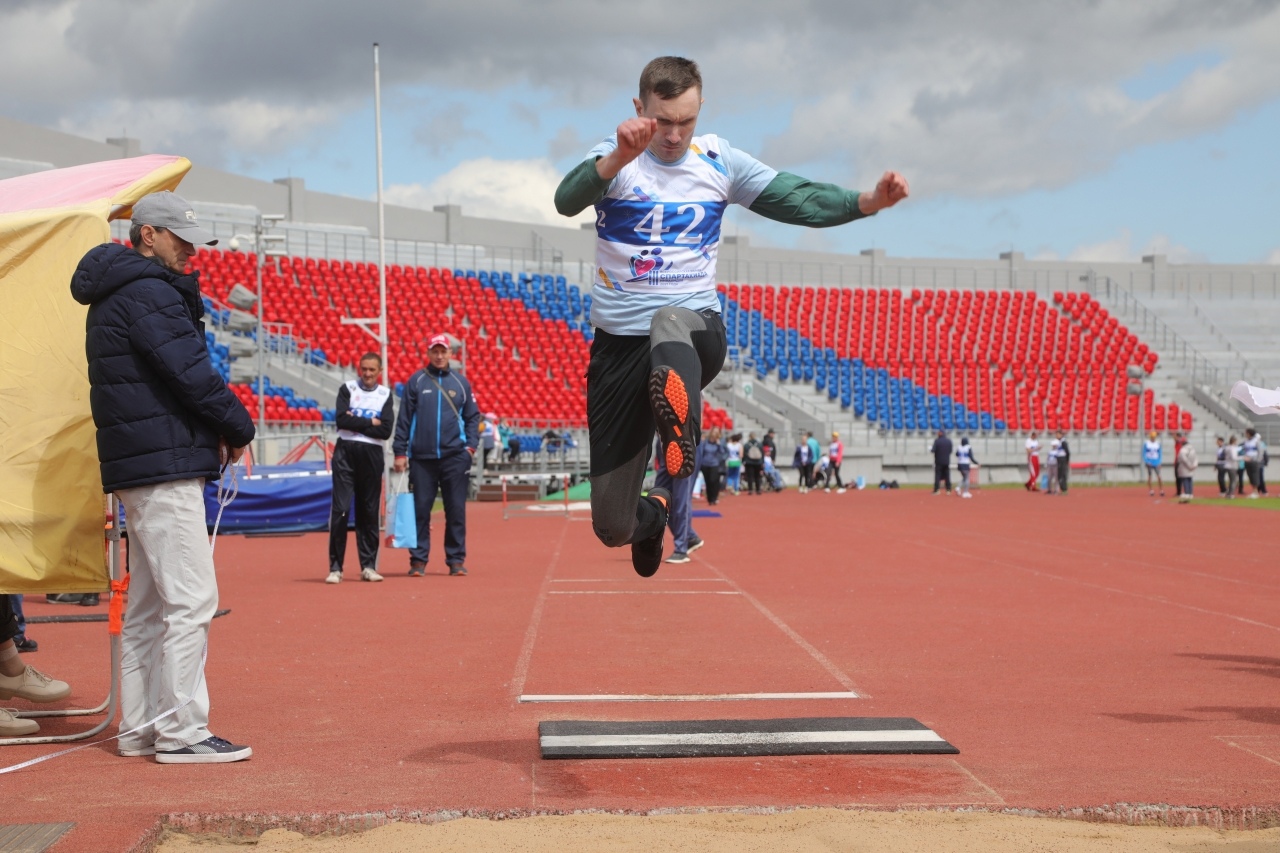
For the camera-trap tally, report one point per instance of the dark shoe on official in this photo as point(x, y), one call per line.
point(696, 544)
point(417, 570)
point(457, 571)
point(670, 402)
point(90, 599)
point(25, 644)
point(64, 598)
point(211, 750)
point(678, 557)
point(646, 555)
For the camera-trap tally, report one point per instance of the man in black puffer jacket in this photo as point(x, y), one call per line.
point(166, 422)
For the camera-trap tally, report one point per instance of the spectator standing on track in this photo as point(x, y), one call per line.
point(437, 433)
point(1252, 454)
point(965, 459)
point(1220, 466)
point(815, 454)
point(167, 422)
point(1231, 464)
point(804, 462)
point(1064, 461)
point(19, 679)
point(753, 463)
point(1264, 459)
point(1033, 463)
point(21, 641)
point(365, 417)
point(770, 445)
point(733, 463)
point(490, 438)
point(685, 539)
point(1178, 441)
point(1152, 453)
point(1051, 467)
point(660, 194)
point(711, 454)
point(941, 450)
point(1184, 467)
point(835, 452)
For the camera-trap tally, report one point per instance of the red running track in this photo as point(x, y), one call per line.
point(1087, 652)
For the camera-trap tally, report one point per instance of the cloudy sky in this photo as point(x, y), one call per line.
point(1101, 130)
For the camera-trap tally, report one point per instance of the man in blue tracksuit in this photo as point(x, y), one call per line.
point(437, 433)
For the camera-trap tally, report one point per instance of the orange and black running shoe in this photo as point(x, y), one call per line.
point(670, 402)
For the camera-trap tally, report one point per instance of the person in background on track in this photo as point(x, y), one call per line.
point(752, 463)
point(1184, 467)
point(1033, 463)
point(684, 539)
point(21, 641)
point(835, 451)
point(490, 437)
point(437, 433)
point(770, 445)
point(1251, 452)
point(1178, 441)
point(941, 450)
point(365, 417)
point(815, 454)
point(660, 193)
point(733, 463)
point(965, 459)
point(711, 455)
point(1064, 462)
point(1152, 453)
point(20, 680)
point(1231, 464)
point(1220, 466)
point(1264, 458)
point(804, 462)
point(1051, 467)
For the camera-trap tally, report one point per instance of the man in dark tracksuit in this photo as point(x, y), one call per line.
point(941, 461)
point(1064, 461)
point(437, 433)
point(365, 416)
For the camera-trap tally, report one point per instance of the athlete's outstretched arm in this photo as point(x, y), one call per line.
point(799, 201)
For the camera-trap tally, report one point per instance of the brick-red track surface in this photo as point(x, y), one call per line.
point(1086, 651)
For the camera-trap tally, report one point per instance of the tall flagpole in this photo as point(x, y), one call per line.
point(382, 242)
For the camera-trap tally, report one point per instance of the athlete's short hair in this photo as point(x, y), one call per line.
point(669, 77)
point(372, 355)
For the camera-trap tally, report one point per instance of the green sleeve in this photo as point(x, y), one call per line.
point(799, 201)
point(580, 189)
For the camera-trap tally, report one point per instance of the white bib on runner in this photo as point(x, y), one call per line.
point(365, 404)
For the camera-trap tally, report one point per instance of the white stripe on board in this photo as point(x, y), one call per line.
point(677, 697)
point(741, 738)
point(643, 592)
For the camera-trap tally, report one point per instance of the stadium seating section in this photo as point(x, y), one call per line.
point(928, 359)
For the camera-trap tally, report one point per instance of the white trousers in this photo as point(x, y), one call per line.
point(173, 594)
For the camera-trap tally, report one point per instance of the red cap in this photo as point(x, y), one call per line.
point(438, 341)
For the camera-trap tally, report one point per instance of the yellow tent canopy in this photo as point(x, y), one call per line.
point(51, 504)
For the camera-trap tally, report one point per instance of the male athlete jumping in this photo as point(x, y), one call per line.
point(660, 192)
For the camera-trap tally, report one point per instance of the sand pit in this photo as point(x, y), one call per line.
point(824, 830)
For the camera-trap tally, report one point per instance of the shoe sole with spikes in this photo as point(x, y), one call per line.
point(670, 402)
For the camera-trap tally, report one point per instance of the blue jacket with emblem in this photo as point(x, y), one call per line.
point(425, 411)
point(158, 403)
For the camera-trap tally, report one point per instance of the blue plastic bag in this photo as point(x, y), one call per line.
point(404, 521)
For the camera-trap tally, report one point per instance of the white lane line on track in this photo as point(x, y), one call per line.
point(637, 580)
point(823, 661)
point(535, 619)
point(676, 697)
point(1158, 599)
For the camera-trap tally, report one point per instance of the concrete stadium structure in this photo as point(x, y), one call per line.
point(1211, 324)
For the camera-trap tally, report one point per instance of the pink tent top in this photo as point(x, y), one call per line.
point(77, 185)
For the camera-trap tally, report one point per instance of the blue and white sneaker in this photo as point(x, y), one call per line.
point(211, 750)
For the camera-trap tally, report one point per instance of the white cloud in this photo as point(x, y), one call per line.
point(516, 190)
point(1120, 249)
